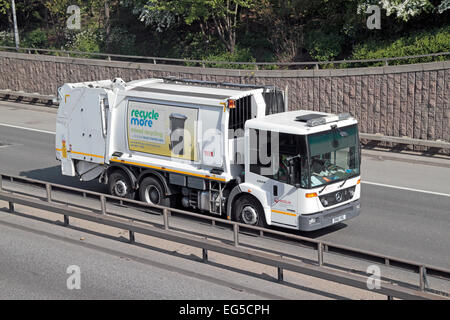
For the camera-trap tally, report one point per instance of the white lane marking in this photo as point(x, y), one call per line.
point(24, 128)
point(408, 189)
point(11, 145)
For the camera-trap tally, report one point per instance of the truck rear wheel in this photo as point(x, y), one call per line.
point(248, 210)
point(119, 185)
point(151, 191)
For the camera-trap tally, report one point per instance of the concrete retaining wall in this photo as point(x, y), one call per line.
point(409, 100)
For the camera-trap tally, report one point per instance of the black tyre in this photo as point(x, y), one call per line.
point(151, 191)
point(248, 210)
point(119, 185)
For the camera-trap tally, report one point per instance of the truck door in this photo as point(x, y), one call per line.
point(284, 194)
point(275, 167)
point(88, 127)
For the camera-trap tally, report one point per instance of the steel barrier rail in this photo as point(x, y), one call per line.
point(281, 263)
point(252, 255)
point(440, 144)
point(49, 99)
point(204, 63)
point(320, 245)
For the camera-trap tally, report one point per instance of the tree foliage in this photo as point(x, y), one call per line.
point(223, 16)
point(230, 30)
point(4, 6)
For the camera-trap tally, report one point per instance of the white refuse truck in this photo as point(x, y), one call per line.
point(220, 148)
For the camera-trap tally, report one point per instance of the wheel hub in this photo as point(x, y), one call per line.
point(249, 215)
point(120, 188)
point(152, 195)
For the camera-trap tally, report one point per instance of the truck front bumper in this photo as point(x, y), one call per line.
point(329, 217)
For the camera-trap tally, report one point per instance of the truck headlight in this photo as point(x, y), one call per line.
point(324, 202)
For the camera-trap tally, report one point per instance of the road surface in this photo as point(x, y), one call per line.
point(405, 199)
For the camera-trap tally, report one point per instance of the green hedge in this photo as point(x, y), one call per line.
point(323, 46)
point(239, 55)
point(424, 42)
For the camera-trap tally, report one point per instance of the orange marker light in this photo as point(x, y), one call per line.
point(64, 149)
point(231, 104)
point(311, 195)
point(359, 181)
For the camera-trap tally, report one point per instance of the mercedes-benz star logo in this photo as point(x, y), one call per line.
point(338, 196)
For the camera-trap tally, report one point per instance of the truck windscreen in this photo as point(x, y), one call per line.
point(334, 155)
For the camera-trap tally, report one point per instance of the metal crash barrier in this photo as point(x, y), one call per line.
point(226, 246)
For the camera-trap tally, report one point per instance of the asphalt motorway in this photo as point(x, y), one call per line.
point(42, 265)
point(395, 221)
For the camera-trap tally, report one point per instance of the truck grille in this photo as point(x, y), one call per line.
point(337, 196)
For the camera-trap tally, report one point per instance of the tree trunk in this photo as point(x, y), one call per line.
point(227, 31)
point(107, 19)
point(232, 42)
point(10, 20)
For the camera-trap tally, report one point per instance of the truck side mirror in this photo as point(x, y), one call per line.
point(291, 170)
point(292, 177)
point(359, 153)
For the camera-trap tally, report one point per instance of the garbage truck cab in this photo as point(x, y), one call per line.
point(306, 165)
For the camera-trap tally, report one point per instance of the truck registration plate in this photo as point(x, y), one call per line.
point(339, 219)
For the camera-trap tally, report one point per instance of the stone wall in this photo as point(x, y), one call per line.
point(410, 100)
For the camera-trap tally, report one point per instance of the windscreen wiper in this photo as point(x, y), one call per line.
point(323, 189)
point(343, 182)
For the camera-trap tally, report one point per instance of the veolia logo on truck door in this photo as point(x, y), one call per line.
point(162, 130)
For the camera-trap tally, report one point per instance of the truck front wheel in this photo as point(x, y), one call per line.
point(248, 210)
point(119, 185)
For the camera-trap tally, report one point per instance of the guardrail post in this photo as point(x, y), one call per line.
point(11, 206)
point(236, 234)
point(320, 253)
point(103, 204)
point(204, 255)
point(66, 220)
point(132, 239)
point(166, 218)
point(280, 274)
point(1, 182)
point(421, 283)
point(48, 189)
point(423, 278)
